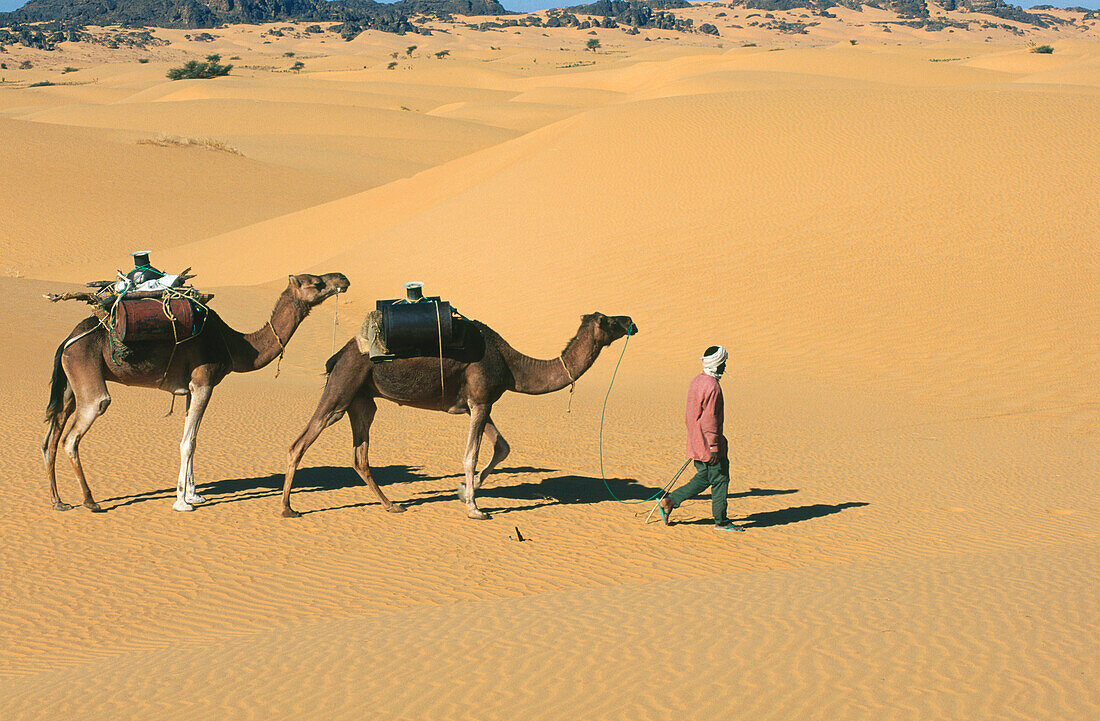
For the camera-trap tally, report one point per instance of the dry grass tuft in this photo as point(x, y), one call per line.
point(165, 141)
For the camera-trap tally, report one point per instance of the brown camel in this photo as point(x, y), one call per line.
point(468, 381)
point(83, 365)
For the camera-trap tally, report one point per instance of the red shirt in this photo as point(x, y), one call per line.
point(704, 418)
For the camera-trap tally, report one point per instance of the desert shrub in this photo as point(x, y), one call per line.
point(68, 69)
point(297, 66)
point(3, 66)
point(392, 65)
point(143, 60)
point(40, 84)
point(166, 141)
point(288, 54)
point(1043, 49)
point(410, 50)
point(26, 65)
point(593, 44)
point(442, 54)
point(854, 42)
point(214, 58)
point(314, 29)
point(196, 70)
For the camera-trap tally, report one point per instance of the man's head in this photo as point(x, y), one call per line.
point(714, 361)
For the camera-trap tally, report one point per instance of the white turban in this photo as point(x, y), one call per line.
point(712, 362)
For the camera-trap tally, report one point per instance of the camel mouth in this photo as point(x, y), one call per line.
point(339, 285)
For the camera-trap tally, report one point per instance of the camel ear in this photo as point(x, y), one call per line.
point(295, 282)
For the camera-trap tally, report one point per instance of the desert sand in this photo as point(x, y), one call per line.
point(896, 238)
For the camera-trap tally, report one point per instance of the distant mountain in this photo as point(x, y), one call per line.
point(65, 19)
point(211, 13)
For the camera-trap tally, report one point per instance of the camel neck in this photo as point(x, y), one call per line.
point(536, 376)
point(265, 345)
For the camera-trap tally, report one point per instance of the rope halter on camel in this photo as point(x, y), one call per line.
point(282, 348)
point(572, 383)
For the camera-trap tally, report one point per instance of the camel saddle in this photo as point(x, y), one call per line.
point(143, 319)
point(403, 329)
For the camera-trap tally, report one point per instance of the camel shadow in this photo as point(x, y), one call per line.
point(572, 489)
point(306, 480)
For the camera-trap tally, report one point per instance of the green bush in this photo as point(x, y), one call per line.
point(1043, 49)
point(592, 44)
point(40, 84)
point(143, 61)
point(196, 70)
point(68, 69)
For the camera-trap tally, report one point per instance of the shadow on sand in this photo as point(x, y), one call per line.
point(306, 480)
point(564, 490)
point(782, 517)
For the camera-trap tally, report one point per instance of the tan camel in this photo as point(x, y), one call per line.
point(83, 365)
point(470, 381)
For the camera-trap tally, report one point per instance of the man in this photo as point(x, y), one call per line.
point(705, 443)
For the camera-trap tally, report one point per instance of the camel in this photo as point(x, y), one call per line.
point(84, 364)
point(468, 381)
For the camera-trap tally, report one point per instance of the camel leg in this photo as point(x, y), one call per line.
point(479, 416)
point(92, 406)
point(361, 414)
point(186, 498)
point(501, 449)
point(49, 448)
point(331, 408)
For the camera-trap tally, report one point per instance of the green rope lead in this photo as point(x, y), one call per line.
point(602, 414)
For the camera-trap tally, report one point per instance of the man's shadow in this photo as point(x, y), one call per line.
point(782, 517)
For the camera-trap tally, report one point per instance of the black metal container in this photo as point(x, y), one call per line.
point(416, 329)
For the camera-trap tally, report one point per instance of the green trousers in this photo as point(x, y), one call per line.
point(716, 477)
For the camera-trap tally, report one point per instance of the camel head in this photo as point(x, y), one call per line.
point(310, 290)
point(607, 329)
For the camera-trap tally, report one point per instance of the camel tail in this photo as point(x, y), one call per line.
point(59, 383)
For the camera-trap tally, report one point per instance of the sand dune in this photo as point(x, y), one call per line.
point(897, 243)
point(74, 194)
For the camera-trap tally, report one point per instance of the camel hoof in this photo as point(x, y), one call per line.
point(182, 506)
point(477, 515)
point(291, 513)
point(93, 507)
point(195, 499)
point(59, 506)
point(396, 508)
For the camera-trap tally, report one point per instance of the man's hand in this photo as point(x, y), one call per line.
point(713, 456)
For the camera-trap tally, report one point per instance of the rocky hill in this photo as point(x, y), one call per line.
point(211, 13)
point(44, 23)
